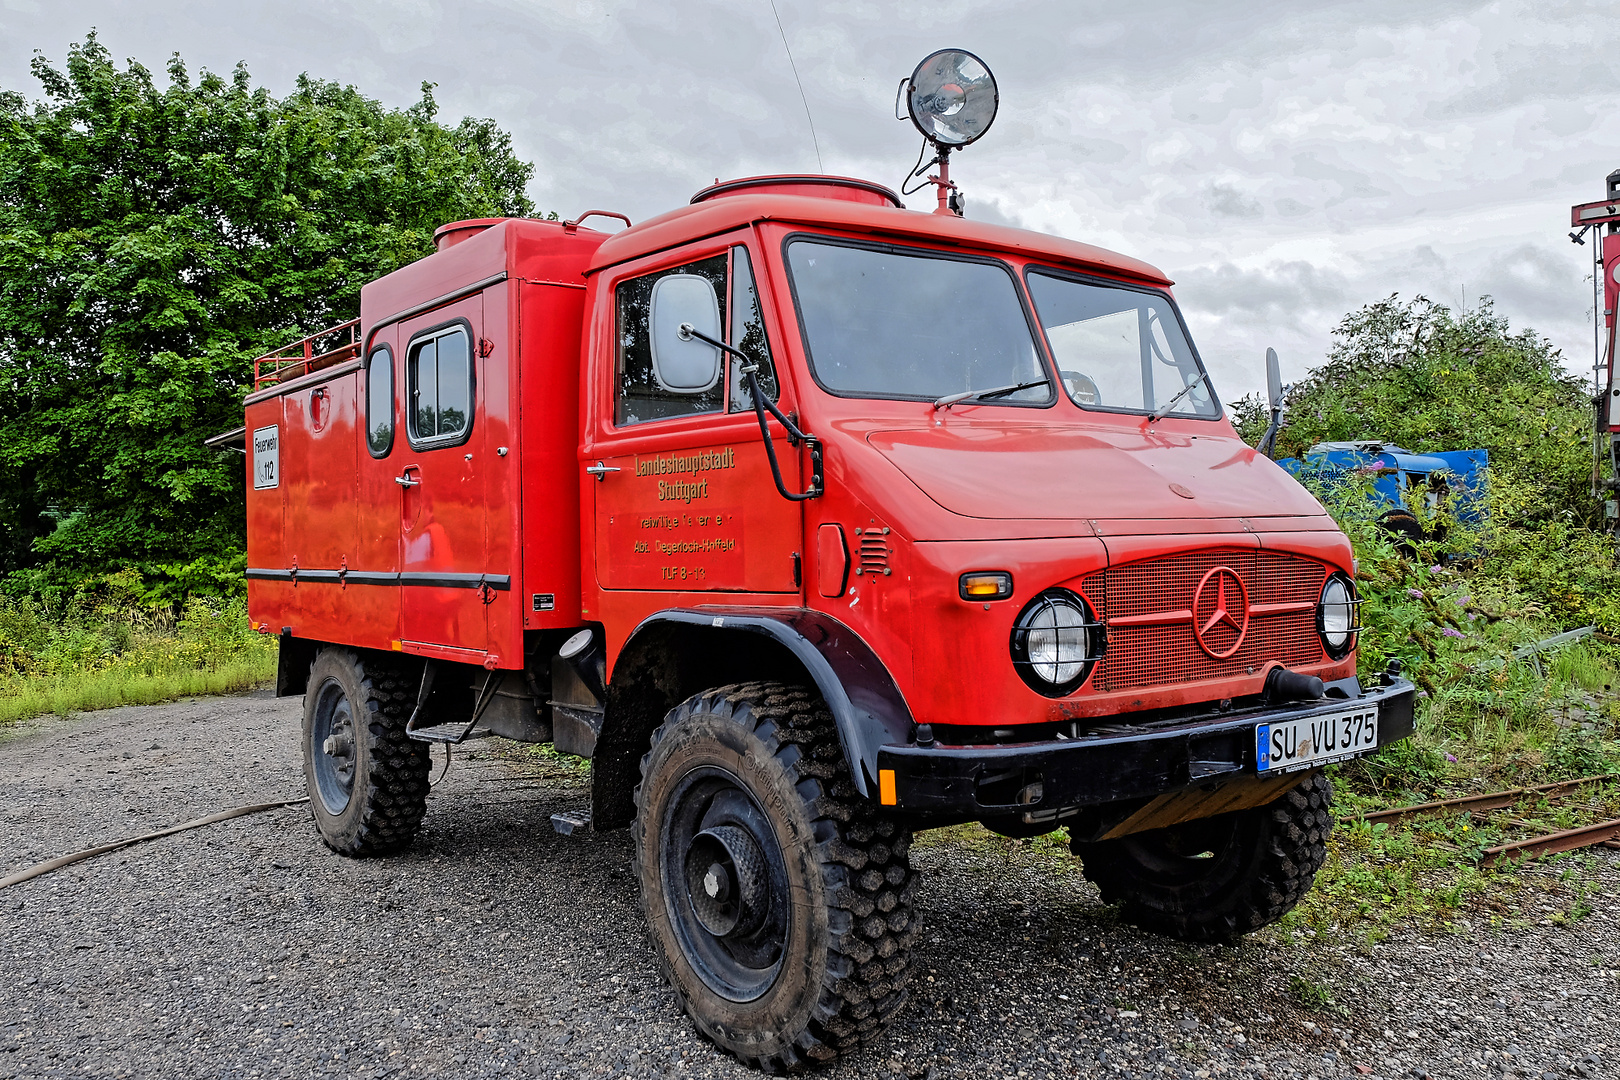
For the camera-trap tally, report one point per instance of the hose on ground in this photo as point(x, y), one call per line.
point(101, 849)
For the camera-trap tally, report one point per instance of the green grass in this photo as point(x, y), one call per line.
point(1485, 728)
point(103, 652)
point(1310, 993)
point(542, 761)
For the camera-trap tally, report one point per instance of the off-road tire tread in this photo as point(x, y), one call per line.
point(394, 791)
point(1294, 839)
point(864, 855)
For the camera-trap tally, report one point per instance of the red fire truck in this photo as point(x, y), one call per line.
point(812, 521)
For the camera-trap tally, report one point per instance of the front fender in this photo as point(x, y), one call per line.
point(865, 702)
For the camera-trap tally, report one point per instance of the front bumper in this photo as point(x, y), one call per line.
point(1125, 763)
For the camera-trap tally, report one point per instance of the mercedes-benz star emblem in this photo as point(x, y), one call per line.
point(1220, 612)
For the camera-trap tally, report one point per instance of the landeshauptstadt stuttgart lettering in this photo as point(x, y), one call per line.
point(699, 461)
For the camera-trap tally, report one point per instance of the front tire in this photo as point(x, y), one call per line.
point(1218, 878)
point(367, 780)
point(779, 901)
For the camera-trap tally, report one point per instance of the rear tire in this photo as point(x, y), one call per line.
point(1218, 878)
point(1405, 532)
point(779, 900)
point(367, 780)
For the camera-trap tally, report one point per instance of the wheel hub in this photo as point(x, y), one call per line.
point(725, 876)
point(332, 738)
point(724, 872)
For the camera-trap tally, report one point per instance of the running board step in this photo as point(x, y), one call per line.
point(445, 733)
point(453, 732)
point(568, 824)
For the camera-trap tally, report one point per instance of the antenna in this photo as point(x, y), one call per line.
point(795, 69)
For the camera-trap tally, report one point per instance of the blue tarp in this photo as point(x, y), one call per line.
point(1427, 477)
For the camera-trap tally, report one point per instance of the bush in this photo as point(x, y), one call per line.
point(1454, 610)
point(104, 646)
point(158, 233)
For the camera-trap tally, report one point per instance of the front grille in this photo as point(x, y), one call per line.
point(1165, 652)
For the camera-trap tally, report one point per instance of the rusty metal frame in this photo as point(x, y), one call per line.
point(1493, 800)
point(1569, 840)
point(1605, 833)
point(300, 358)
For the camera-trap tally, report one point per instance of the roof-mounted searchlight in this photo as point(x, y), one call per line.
point(952, 98)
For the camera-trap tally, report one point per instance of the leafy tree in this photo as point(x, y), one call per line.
point(152, 242)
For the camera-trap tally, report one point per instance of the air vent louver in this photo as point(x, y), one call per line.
point(874, 554)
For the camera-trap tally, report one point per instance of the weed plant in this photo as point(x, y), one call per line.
point(103, 647)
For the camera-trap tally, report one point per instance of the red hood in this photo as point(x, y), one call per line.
point(1004, 472)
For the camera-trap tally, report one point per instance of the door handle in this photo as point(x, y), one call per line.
point(600, 470)
point(404, 479)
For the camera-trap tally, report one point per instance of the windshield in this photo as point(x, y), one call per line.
point(907, 324)
point(1119, 348)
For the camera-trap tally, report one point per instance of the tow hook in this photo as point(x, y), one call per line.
point(1285, 685)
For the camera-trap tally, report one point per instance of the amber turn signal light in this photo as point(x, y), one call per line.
point(986, 585)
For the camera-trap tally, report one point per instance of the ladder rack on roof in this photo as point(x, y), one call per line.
point(339, 343)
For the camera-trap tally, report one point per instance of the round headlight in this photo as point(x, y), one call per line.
point(1336, 617)
point(1052, 643)
point(952, 97)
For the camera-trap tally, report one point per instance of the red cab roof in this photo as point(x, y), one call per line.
point(714, 216)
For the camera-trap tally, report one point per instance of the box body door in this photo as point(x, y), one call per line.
point(371, 586)
point(445, 582)
point(321, 441)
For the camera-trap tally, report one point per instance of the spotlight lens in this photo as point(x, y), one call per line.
point(952, 97)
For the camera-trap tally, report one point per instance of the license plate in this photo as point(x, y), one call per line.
point(1287, 745)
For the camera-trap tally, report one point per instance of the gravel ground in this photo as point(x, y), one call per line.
point(498, 948)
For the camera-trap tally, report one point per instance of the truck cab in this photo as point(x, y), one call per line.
point(812, 521)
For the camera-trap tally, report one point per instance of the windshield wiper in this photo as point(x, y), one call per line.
point(1164, 410)
point(985, 395)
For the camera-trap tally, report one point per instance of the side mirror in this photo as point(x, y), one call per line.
point(1274, 392)
point(684, 365)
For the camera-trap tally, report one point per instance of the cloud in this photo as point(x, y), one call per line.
point(1226, 200)
point(1286, 162)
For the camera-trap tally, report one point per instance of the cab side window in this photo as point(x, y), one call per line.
point(638, 397)
point(638, 394)
point(747, 332)
point(439, 380)
point(380, 402)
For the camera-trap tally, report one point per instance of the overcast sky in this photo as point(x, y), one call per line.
point(1284, 162)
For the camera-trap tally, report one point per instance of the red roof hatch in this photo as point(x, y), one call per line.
point(814, 185)
point(448, 236)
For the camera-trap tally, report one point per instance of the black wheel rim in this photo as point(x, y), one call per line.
point(1185, 854)
point(725, 883)
point(332, 749)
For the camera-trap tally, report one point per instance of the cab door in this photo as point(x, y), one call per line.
point(445, 584)
point(681, 488)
